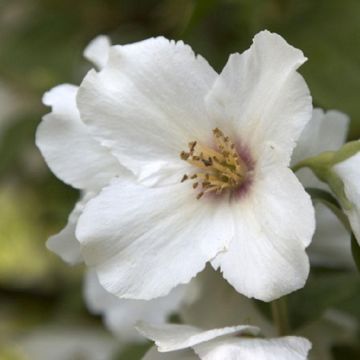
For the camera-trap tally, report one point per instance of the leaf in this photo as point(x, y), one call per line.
point(347, 150)
point(322, 291)
point(355, 250)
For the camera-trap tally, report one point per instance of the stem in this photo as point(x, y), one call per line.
point(280, 316)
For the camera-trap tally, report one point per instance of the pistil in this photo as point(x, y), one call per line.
point(221, 168)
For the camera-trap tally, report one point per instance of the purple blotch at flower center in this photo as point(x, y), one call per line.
point(220, 168)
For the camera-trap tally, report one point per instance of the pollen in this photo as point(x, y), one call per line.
point(220, 168)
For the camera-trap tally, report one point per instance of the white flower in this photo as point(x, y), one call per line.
point(237, 342)
point(349, 173)
point(326, 131)
point(121, 315)
point(166, 115)
point(80, 160)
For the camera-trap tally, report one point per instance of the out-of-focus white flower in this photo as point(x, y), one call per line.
point(349, 173)
point(237, 342)
point(326, 131)
point(333, 327)
point(73, 155)
point(121, 315)
point(167, 116)
point(60, 343)
point(215, 293)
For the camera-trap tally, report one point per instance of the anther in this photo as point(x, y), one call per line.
point(184, 155)
point(220, 168)
point(184, 178)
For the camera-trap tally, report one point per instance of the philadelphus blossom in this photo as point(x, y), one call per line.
point(208, 156)
point(236, 342)
point(80, 160)
point(326, 131)
point(349, 173)
point(121, 315)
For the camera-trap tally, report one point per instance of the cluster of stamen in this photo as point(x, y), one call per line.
point(220, 168)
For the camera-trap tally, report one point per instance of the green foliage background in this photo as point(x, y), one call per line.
point(41, 43)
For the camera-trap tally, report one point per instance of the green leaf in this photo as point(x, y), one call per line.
point(355, 250)
point(319, 164)
point(346, 351)
point(322, 291)
point(348, 150)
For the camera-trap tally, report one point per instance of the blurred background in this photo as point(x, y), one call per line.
point(41, 44)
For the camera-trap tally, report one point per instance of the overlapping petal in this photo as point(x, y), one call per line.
point(219, 344)
point(170, 337)
point(145, 241)
point(148, 103)
point(326, 131)
point(70, 151)
point(260, 98)
point(98, 50)
point(121, 315)
point(65, 244)
point(349, 172)
point(285, 348)
point(274, 225)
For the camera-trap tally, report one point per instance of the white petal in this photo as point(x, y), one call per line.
point(153, 354)
point(121, 315)
point(286, 348)
point(97, 299)
point(331, 243)
point(349, 172)
point(69, 150)
point(274, 224)
point(148, 102)
point(261, 98)
point(65, 244)
point(97, 51)
point(170, 337)
point(145, 241)
point(324, 132)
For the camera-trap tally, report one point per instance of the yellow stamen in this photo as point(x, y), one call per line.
point(221, 168)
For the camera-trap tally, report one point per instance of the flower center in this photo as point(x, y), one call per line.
point(221, 168)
